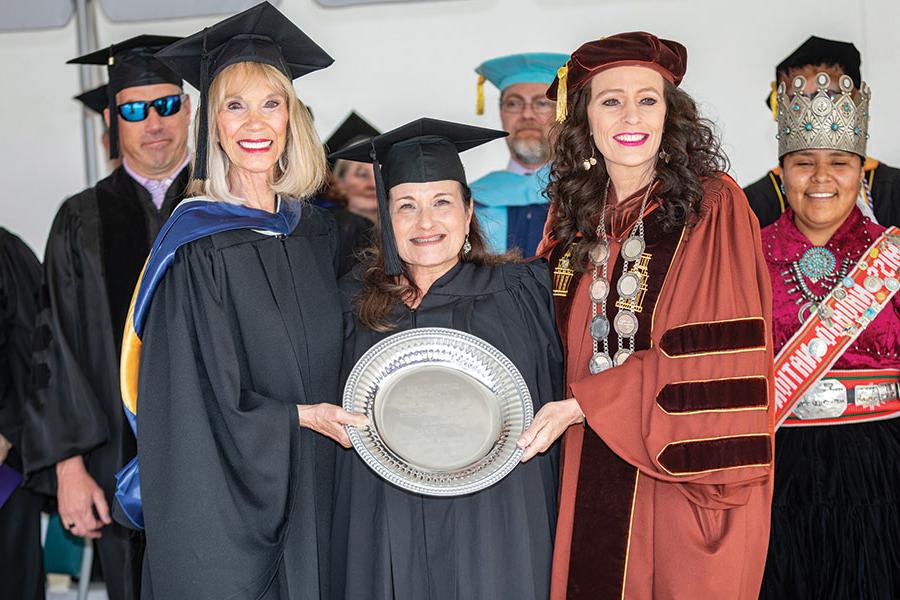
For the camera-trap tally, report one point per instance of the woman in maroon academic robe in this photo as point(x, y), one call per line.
point(663, 303)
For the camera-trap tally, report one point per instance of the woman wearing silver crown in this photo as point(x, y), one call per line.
point(835, 520)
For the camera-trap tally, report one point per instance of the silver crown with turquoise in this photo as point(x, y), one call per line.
point(830, 119)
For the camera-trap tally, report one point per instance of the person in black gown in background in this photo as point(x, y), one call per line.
point(242, 333)
point(21, 559)
point(347, 188)
point(75, 436)
point(431, 269)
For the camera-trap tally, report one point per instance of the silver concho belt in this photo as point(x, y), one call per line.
point(829, 398)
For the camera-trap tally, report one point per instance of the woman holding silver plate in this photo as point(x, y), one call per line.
point(836, 506)
point(432, 269)
point(663, 304)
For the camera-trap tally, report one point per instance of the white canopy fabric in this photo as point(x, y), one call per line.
point(16, 15)
point(339, 3)
point(139, 10)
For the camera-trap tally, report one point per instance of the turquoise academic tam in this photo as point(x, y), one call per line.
point(530, 67)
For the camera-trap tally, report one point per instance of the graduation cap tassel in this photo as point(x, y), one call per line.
point(773, 101)
point(479, 96)
point(392, 264)
point(203, 127)
point(561, 93)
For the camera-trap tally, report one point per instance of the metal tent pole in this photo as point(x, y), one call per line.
point(88, 121)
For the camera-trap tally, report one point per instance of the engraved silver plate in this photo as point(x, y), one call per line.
point(828, 399)
point(599, 290)
point(620, 356)
point(625, 323)
point(600, 362)
point(839, 293)
point(628, 285)
point(892, 284)
point(870, 396)
point(632, 248)
point(600, 252)
point(445, 410)
point(599, 327)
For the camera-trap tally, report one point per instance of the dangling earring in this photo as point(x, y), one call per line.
point(467, 246)
point(590, 162)
point(664, 156)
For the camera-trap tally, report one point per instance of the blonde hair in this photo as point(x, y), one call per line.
point(301, 169)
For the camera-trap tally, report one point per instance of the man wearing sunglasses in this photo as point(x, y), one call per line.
point(510, 204)
point(880, 197)
point(76, 436)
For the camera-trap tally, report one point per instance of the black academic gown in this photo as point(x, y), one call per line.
point(237, 497)
point(96, 249)
point(21, 559)
point(768, 202)
point(496, 544)
point(354, 234)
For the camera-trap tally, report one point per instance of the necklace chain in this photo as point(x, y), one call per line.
point(626, 322)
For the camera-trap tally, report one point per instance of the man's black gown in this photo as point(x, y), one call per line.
point(766, 198)
point(96, 249)
point(496, 544)
point(21, 559)
point(237, 497)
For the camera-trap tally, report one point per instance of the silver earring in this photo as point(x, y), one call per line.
point(467, 246)
point(590, 162)
point(282, 163)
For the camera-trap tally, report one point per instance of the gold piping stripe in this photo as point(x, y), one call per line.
point(737, 351)
point(637, 474)
point(714, 410)
point(753, 349)
point(665, 281)
point(712, 439)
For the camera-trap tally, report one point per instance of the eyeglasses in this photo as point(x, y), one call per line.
point(140, 109)
point(517, 104)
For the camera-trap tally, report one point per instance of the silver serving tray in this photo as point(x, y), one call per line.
point(445, 409)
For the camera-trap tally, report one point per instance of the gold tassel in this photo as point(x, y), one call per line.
point(561, 93)
point(773, 100)
point(479, 96)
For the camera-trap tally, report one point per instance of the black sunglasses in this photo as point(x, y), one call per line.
point(140, 109)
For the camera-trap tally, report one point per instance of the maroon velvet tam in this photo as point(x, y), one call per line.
point(636, 48)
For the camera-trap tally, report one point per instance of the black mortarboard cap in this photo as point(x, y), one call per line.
point(352, 130)
point(419, 152)
point(259, 34)
point(129, 64)
point(96, 99)
point(818, 51)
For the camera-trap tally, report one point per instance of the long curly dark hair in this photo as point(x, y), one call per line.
point(694, 156)
point(381, 293)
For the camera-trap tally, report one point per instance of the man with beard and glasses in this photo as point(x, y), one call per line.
point(510, 204)
point(75, 435)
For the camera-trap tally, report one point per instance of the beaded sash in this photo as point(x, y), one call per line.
point(839, 319)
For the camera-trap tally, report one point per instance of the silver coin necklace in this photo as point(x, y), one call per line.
point(625, 322)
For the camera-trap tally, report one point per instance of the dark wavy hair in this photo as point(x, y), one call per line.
point(381, 293)
point(694, 156)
